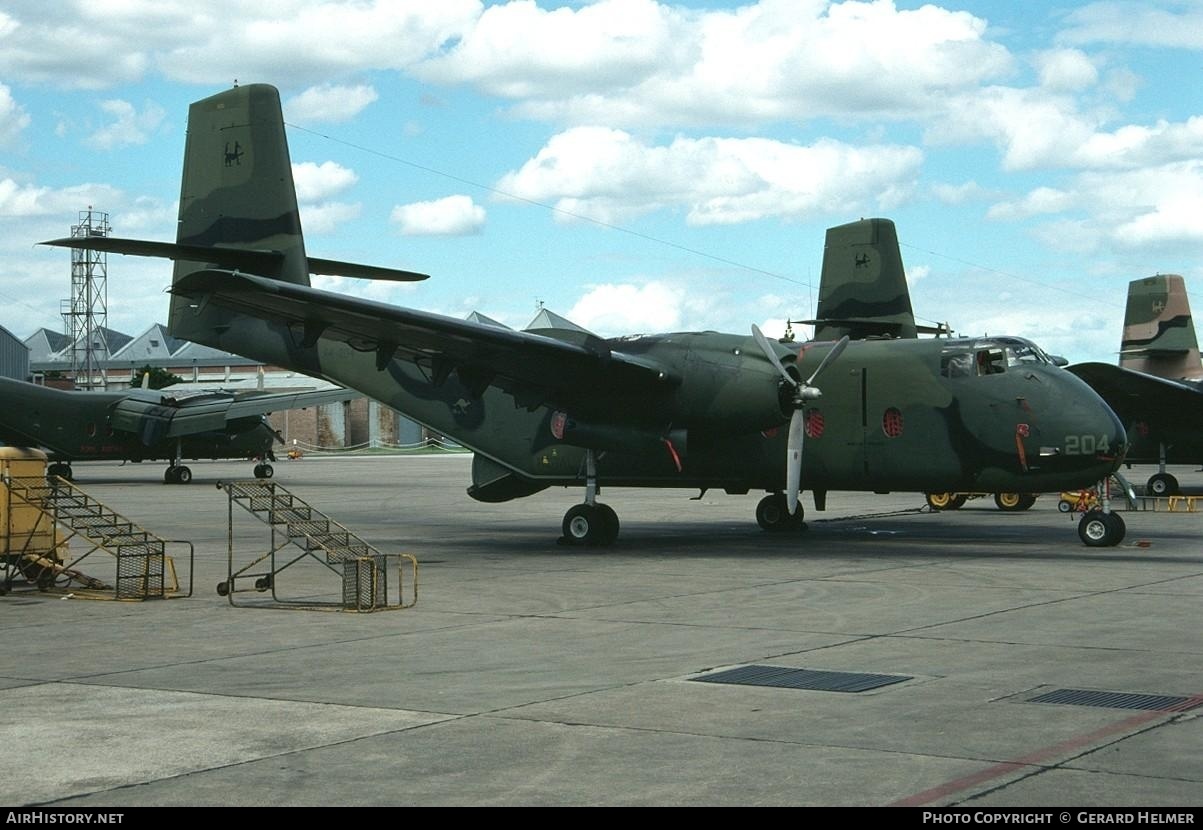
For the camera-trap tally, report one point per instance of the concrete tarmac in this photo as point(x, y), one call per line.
point(529, 673)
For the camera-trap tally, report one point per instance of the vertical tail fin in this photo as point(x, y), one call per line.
point(237, 189)
point(862, 290)
point(1159, 334)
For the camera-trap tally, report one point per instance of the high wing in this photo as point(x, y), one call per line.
point(163, 416)
point(257, 260)
point(533, 367)
point(1138, 396)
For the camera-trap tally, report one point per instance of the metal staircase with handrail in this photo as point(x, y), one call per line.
point(301, 534)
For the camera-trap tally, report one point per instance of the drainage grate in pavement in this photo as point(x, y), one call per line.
point(787, 678)
point(1118, 700)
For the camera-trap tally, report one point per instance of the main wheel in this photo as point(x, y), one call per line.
point(958, 501)
point(1010, 501)
point(1026, 500)
point(941, 501)
point(169, 475)
point(586, 524)
point(182, 475)
point(772, 514)
point(1101, 530)
point(1162, 484)
point(264, 470)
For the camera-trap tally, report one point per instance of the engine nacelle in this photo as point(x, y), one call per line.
point(617, 437)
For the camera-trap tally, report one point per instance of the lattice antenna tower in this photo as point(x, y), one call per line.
point(86, 314)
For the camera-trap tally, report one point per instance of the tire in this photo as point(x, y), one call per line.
point(182, 475)
point(1162, 484)
point(1009, 501)
point(773, 515)
point(1064, 506)
point(1101, 530)
point(584, 524)
point(941, 501)
point(1026, 500)
point(958, 501)
point(268, 472)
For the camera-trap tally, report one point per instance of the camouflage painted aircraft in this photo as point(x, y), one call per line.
point(556, 407)
point(146, 425)
point(1157, 389)
point(863, 294)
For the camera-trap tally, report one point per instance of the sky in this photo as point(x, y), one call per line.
point(633, 165)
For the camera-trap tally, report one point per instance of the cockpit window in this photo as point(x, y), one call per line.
point(992, 356)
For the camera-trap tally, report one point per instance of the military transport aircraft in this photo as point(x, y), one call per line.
point(1157, 388)
point(146, 424)
point(550, 407)
point(863, 294)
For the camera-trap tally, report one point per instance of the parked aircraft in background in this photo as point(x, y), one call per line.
point(560, 407)
point(1157, 388)
point(146, 425)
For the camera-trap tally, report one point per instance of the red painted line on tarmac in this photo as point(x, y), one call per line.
point(1041, 755)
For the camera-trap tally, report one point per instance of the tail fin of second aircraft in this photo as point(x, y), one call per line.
point(1159, 334)
point(862, 290)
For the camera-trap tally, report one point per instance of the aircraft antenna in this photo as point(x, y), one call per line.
point(86, 314)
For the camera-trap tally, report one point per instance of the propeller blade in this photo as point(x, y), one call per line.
point(793, 459)
point(767, 348)
point(828, 359)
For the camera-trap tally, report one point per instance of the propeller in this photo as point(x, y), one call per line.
point(803, 391)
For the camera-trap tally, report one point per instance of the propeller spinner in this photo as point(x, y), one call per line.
point(803, 392)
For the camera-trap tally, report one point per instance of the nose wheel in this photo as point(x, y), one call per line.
point(1098, 529)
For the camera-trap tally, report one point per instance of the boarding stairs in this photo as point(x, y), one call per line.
point(143, 568)
point(302, 535)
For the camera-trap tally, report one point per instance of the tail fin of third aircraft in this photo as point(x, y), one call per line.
point(863, 291)
point(1159, 334)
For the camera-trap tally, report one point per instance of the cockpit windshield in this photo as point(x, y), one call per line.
point(989, 356)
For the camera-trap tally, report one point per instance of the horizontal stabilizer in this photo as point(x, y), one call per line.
point(257, 261)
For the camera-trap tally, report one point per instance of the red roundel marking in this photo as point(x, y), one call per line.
point(891, 422)
point(558, 419)
point(814, 423)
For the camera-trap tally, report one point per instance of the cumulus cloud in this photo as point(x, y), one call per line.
point(1065, 70)
point(128, 126)
point(330, 103)
point(23, 200)
point(13, 117)
point(93, 46)
point(628, 62)
point(611, 309)
point(450, 216)
point(315, 182)
point(608, 175)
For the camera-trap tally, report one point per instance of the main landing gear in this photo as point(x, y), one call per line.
point(591, 523)
point(60, 469)
point(772, 514)
point(264, 470)
point(1162, 483)
point(177, 474)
